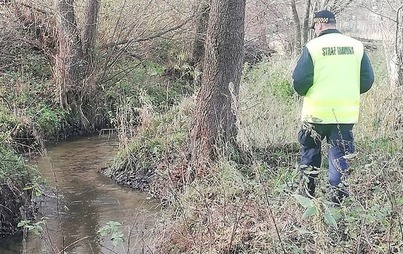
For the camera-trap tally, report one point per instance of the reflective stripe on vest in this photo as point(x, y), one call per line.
point(335, 94)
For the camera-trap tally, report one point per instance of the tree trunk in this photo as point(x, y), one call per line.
point(90, 32)
point(69, 62)
point(306, 24)
point(201, 29)
point(215, 119)
point(297, 26)
point(262, 25)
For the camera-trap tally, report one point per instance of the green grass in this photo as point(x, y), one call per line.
point(269, 113)
point(11, 165)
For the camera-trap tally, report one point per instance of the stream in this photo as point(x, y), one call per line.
point(87, 202)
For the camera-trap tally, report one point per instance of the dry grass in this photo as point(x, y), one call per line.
point(254, 208)
point(269, 115)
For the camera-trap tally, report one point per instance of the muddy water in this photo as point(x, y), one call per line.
point(86, 201)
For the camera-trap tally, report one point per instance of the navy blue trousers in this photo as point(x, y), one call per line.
point(341, 141)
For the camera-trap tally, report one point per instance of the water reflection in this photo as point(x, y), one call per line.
point(88, 201)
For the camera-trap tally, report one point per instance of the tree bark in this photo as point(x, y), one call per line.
point(69, 58)
point(201, 30)
point(215, 122)
point(69, 62)
point(262, 25)
point(297, 26)
point(90, 31)
point(306, 24)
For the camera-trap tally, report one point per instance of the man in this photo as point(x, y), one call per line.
point(331, 73)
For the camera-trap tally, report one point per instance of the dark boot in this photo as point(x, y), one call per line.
point(338, 194)
point(311, 186)
point(307, 181)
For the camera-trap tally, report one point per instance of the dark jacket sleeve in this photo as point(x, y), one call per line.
point(303, 73)
point(367, 74)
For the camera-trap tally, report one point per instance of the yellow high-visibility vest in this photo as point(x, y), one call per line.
point(335, 94)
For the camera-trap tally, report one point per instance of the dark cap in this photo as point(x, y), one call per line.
point(324, 16)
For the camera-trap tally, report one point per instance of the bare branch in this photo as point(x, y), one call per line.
point(390, 5)
point(378, 13)
point(159, 34)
